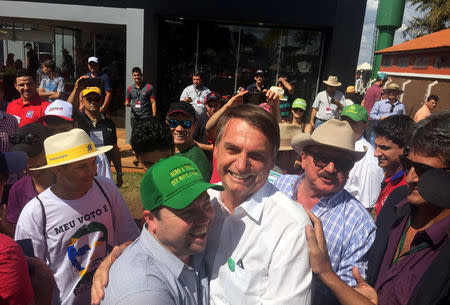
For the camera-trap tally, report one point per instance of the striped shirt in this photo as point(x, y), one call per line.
point(349, 229)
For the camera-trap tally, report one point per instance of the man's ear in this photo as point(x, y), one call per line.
point(149, 219)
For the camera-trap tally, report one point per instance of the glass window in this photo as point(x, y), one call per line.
point(402, 61)
point(421, 62)
point(442, 62)
point(387, 61)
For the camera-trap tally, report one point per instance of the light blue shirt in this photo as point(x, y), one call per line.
point(55, 84)
point(147, 273)
point(349, 229)
point(383, 109)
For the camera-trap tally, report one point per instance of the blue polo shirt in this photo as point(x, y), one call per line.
point(147, 273)
point(383, 109)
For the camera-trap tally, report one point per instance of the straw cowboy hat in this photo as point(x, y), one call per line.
point(333, 133)
point(68, 147)
point(350, 89)
point(393, 87)
point(287, 132)
point(332, 81)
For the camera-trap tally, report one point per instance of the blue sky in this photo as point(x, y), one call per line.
point(369, 25)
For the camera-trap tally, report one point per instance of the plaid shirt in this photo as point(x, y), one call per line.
point(8, 126)
point(349, 229)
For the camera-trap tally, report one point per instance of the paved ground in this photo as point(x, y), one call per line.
point(126, 154)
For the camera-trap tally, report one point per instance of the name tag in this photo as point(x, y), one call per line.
point(137, 105)
point(199, 102)
point(328, 110)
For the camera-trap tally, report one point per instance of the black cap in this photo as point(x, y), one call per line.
point(30, 139)
point(212, 96)
point(433, 186)
point(183, 107)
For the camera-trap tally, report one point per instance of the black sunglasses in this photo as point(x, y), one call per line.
point(419, 168)
point(298, 110)
point(25, 139)
point(186, 124)
point(321, 160)
point(92, 99)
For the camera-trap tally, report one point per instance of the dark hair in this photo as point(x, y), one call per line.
point(198, 73)
point(150, 135)
point(256, 117)
point(433, 97)
point(431, 137)
point(25, 73)
point(136, 69)
point(396, 128)
point(49, 63)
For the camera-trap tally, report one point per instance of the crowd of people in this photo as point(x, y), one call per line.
point(246, 200)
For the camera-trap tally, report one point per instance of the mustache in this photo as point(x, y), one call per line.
point(327, 176)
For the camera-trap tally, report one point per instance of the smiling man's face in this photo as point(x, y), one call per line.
point(244, 158)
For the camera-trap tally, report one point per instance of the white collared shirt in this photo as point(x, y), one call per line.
point(265, 238)
point(364, 180)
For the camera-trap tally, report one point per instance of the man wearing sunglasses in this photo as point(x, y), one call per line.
point(100, 128)
point(181, 119)
point(328, 155)
point(390, 106)
point(412, 246)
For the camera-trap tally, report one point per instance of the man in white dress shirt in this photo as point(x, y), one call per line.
point(196, 93)
point(364, 180)
point(257, 250)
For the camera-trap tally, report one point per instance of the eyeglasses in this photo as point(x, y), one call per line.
point(321, 160)
point(296, 110)
point(419, 168)
point(25, 139)
point(91, 99)
point(186, 124)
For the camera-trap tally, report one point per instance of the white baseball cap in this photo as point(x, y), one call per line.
point(93, 59)
point(60, 109)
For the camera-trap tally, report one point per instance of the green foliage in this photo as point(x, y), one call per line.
point(436, 17)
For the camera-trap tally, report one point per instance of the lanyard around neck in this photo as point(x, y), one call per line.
point(410, 251)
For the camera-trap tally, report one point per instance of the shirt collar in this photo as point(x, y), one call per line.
point(254, 205)
point(395, 103)
point(438, 231)
point(164, 257)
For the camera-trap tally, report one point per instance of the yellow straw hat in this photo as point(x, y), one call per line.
point(68, 147)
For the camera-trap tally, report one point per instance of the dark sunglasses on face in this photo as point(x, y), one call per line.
point(185, 123)
point(321, 160)
point(92, 99)
point(297, 110)
point(419, 168)
point(25, 139)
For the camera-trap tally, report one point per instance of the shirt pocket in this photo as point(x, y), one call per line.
point(243, 286)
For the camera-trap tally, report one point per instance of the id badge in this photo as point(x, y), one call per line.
point(199, 103)
point(137, 105)
point(97, 138)
point(328, 110)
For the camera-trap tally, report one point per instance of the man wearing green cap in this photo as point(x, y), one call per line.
point(364, 180)
point(298, 110)
point(165, 264)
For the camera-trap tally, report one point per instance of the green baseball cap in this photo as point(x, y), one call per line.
point(299, 103)
point(173, 182)
point(355, 112)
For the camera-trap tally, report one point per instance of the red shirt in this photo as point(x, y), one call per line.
point(15, 283)
point(389, 185)
point(29, 112)
point(372, 95)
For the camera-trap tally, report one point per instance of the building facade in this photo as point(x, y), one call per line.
point(228, 41)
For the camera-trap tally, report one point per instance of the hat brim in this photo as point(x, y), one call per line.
point(181, 111)
point(303, 140)
point(337, 84)
point(185, 196)
point(42, 118)
point(99, 151)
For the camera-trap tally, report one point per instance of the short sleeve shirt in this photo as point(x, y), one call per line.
point(198, 97)
point(372, 95)
point(29, 112)
point(102, 133)
point(141, 106)
point(55, 84)
point(20, 194)
point(325, 109)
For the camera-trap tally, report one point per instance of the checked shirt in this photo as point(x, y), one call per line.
point(349, 229)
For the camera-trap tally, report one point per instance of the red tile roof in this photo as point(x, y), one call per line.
point(434, 40)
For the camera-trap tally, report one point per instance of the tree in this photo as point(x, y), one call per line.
point(436, 17)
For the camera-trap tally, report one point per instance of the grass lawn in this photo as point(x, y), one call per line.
point(131, 194)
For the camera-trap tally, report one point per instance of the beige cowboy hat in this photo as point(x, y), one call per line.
point(332, 81)
point(68, 147)
point(333, 133)
point(393, 87)
point(287, 132)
